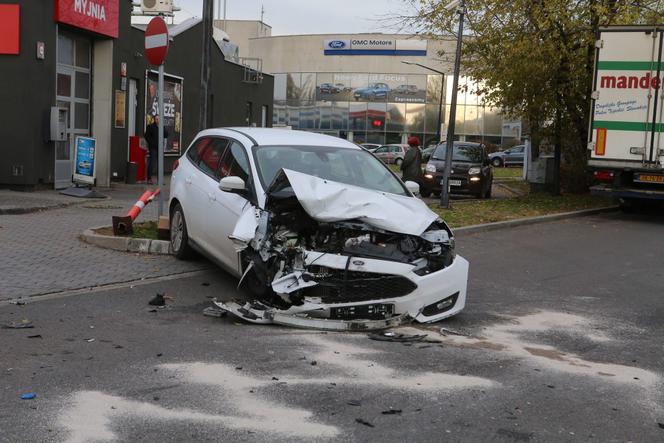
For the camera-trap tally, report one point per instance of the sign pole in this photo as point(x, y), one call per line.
point(160, 177)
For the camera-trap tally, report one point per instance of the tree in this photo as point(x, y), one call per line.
point(534, 59)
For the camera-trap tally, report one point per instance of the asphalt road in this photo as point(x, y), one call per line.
point(565, 343)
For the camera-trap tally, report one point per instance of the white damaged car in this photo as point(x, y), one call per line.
point(320, 231)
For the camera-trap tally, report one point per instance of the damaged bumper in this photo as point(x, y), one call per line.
point(434, 297)
point(335, 258)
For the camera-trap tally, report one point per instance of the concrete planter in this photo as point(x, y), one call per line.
point(125, 244)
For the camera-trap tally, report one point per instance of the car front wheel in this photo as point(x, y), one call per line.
point(497, 162)
point(398, 161)
point(179, 235)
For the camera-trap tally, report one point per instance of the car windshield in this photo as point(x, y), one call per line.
point(351, 166)
point(461, 153)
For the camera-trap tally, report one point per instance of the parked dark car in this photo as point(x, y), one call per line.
point(426, 153)
point(471, 170)
point(329, 88)
point(509, 157)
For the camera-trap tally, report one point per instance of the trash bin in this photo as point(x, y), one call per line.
point(132, 170)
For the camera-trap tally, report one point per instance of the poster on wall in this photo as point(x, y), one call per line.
point(84, 155)
point(172, 117)
point(396, 88)
point(120, 102)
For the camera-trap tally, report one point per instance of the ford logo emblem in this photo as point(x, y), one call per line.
point(337, 44)
point(358, 262)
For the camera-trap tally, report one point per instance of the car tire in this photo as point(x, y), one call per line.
point(425, 193)
point(497, 162)
point(179, 235)
point(398, 161)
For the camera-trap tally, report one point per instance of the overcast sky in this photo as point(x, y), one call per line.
point(307, 16)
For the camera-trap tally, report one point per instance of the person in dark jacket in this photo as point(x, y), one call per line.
point(152, 138)
point(411, 167)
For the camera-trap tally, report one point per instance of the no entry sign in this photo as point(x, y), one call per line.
point(156, 41)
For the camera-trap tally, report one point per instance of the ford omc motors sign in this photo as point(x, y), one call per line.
point(374, 46)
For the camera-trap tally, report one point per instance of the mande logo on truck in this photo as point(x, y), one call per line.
point(629, 82)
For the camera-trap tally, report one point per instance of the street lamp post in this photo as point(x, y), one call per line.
point(445, 194)
point(440, 102)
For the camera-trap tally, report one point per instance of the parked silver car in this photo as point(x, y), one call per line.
point(391, 154)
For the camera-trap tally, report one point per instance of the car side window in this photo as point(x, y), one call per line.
point(194, 153)
point(234, 162)
point(381, 150)
point(209, 162)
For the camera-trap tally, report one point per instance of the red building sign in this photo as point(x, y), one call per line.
point(9, 29)
point(100, 16)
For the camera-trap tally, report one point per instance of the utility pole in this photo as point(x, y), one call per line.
point(208, 16)
point(445, 192)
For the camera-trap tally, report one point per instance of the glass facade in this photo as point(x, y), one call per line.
point(376, 108)
point(386, 108)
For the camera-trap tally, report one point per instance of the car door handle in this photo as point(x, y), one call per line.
point(187, 180)
point(212, 197)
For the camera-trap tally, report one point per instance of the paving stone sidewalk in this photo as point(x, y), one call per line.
point(41, 252)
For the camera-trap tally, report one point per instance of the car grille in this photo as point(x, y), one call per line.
point(339, 286)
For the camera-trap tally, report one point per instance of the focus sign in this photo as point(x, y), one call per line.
point(84, 169)
point(156, 41)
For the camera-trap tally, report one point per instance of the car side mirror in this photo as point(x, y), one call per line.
point(232, 184)
point(413, 187)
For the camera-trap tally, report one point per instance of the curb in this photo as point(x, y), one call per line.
point(126, 244)
point(22, 210)
point(163, 247)
point(474, 229)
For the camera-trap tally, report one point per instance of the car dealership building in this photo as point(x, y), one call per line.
point(74, 68)
point(356, 86)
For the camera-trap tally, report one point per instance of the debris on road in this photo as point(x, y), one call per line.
point(213, 311)
point(89, 340)
point(396, 337)
point(158, 300)
point(28, 396)
point(23, 324)
point(447, 331)
point(18, 302)
point(364, 422)
point(35, 336)
point(391, 411)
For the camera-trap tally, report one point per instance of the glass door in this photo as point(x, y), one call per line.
point(73, 94)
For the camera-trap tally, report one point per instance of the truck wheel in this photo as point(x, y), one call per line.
point(425, 193)
point(179, 234)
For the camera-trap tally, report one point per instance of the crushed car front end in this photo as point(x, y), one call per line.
point(331, 254)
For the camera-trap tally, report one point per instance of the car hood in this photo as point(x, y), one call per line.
point(330, 201)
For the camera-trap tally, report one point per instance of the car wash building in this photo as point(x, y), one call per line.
point(357, 86)
point(74, 68)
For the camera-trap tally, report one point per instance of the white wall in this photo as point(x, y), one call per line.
point(304, 53)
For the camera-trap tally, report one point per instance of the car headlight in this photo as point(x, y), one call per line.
point(430, 167)
point(474, 171)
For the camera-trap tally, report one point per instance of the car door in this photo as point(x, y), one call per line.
point(382, 153)
point(190, 193)
point(226, 207)
point(515, 155)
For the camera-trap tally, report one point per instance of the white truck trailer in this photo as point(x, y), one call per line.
point(627, 114)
